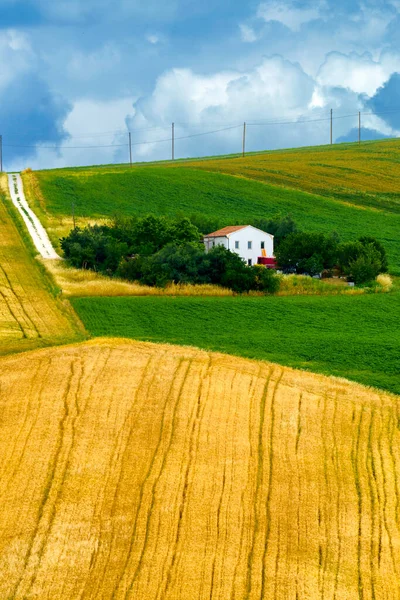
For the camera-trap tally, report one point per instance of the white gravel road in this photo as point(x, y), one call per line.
point(35, 228)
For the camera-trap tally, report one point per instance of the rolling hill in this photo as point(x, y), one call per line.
point(351, 189)
point(133, 470)
point(357, 337)
point(30, 313)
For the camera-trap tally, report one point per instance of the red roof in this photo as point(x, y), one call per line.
point(225, 231)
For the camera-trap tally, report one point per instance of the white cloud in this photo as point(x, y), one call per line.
point(288, 14)
point(276, 90)
point(359, 73)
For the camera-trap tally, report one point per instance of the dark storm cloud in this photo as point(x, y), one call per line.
point(386, 102)
point(31, 115)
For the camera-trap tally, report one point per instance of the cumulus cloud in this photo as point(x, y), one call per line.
point(263, 96)
point(359, 73)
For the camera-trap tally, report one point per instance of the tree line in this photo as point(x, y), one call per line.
point(157, 250)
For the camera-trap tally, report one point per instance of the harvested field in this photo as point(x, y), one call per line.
point(30, 315)
point(132, 470)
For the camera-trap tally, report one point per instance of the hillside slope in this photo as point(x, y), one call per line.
point(357, 337)
point(139, 471)
point(30, 315)
point(327, 189)
point(364, 175)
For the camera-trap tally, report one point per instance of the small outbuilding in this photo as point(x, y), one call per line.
point(253, 245)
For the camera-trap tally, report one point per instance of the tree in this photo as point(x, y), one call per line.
point(365, 240)
point(362, 260)
point(307, 253)
point(279, 227)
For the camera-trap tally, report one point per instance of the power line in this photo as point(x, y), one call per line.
point(262, 122)
point(120, 145)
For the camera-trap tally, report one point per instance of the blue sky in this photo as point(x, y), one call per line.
point(76, 75)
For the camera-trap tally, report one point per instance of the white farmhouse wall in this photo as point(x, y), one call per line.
point(241, 238)
point(217, 241)
point(256, 237)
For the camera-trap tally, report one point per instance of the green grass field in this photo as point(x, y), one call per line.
point(105, 192)
point(357, 337)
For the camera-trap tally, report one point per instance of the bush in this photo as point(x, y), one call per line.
point(385, 281)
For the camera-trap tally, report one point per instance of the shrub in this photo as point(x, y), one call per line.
point(266, 280)
point(385, 281)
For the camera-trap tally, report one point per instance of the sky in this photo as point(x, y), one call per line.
point(77, 75)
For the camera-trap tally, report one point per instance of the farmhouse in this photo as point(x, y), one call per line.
point(253, 245)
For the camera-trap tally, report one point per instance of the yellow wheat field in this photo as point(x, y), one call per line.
point(29, 313)
point(131, 470)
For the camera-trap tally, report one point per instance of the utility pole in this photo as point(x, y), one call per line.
point(331, 126)
point(173, 141)
point(359, 127)
point(130, 149)
point(244, 140)
point(1, 153)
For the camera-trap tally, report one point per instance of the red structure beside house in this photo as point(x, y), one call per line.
point(270, 263)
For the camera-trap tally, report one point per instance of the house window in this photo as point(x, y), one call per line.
point(249, 262)
point(249, 244)
point(236, 245)
point(213, 243)
point(262, 245)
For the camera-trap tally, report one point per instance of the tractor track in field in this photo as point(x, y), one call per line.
point(148, 472)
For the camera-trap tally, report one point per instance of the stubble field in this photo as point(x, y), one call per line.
point(134, 470)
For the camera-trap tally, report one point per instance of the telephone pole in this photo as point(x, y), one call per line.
point(130, 149)
point(173, 141)
point(359, 127)
point(244, 140)
point(1, 153)
point(331, 126)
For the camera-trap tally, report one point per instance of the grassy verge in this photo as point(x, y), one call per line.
point(80, 283)
point(357, 337)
